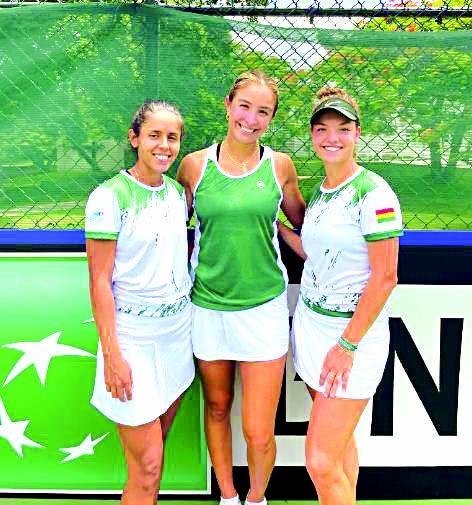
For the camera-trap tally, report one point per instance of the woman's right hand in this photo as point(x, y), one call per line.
point(118, 377)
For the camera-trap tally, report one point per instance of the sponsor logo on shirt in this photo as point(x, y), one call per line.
point(260, 184)
point(96, 215)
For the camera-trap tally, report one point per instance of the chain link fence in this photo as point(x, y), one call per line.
point(71, 75)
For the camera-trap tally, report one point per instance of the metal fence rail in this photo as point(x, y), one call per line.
point(73, 74)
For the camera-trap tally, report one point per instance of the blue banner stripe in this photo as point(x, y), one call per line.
point(13, 237)
point(440, 238)
point(41, 237)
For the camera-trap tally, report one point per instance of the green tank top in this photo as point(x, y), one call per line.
point(236, 261)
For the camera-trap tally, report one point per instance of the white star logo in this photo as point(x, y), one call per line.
point(39, 354)
point(86, 447)
point(13, 431)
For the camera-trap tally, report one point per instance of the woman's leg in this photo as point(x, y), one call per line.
point(351, 464)
point(143, 448)
point(351, 460)
point(330, 450)
point(168, 418)
point(261, 384)
point(218, 387)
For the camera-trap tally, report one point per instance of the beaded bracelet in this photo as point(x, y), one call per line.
point(346, 344)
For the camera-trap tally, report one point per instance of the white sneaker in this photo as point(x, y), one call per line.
point(263, 502)
point(230, 501)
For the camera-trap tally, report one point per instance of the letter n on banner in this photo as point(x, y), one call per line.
point(440, 402)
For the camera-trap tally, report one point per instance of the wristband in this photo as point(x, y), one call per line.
point(346, 344)
point(345, 351)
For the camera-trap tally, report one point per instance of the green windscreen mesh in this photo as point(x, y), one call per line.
point(72, 75)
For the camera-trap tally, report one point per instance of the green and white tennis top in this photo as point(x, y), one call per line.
point(236, 259)
point(338, 224)
point(150, 275)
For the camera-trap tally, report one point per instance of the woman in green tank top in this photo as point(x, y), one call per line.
point(239, 296)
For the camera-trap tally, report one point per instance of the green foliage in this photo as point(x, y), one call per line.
point(413, 89)
point(73, 75)
point(426, 88)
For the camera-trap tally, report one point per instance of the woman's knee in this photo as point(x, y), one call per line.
point(149, 472)
point(219, 406)
point(322, 467)
point(259, 440)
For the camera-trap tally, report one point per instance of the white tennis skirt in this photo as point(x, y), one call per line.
point(313, 335)
point(257, 334)
point(159, 352)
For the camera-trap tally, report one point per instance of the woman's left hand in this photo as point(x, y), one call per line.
point(336, 369)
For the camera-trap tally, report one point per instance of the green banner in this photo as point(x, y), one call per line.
point(51, 438)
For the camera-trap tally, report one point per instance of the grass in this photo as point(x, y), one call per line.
point(56, 200)
point(433, 203)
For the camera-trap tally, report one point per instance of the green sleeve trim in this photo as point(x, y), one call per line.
point(100, 235)
point(372, 237)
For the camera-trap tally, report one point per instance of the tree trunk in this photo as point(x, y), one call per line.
point(454, 153)
point(435, 152)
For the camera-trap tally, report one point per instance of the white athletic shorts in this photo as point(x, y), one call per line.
point(257, 334)
point(314, 334)
point(159, 352)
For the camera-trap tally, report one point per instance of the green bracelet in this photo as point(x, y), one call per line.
point(346, 344)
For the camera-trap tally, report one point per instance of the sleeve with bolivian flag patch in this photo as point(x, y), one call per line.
point(380, 214)
point(102, 215)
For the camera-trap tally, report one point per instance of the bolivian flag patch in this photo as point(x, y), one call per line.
point(385, 215)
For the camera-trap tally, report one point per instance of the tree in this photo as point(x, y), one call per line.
point(424, 74)
point(73, 76)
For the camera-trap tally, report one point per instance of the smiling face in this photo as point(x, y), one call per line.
point(250, 112)
point(334, 138)
point(157, 144)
